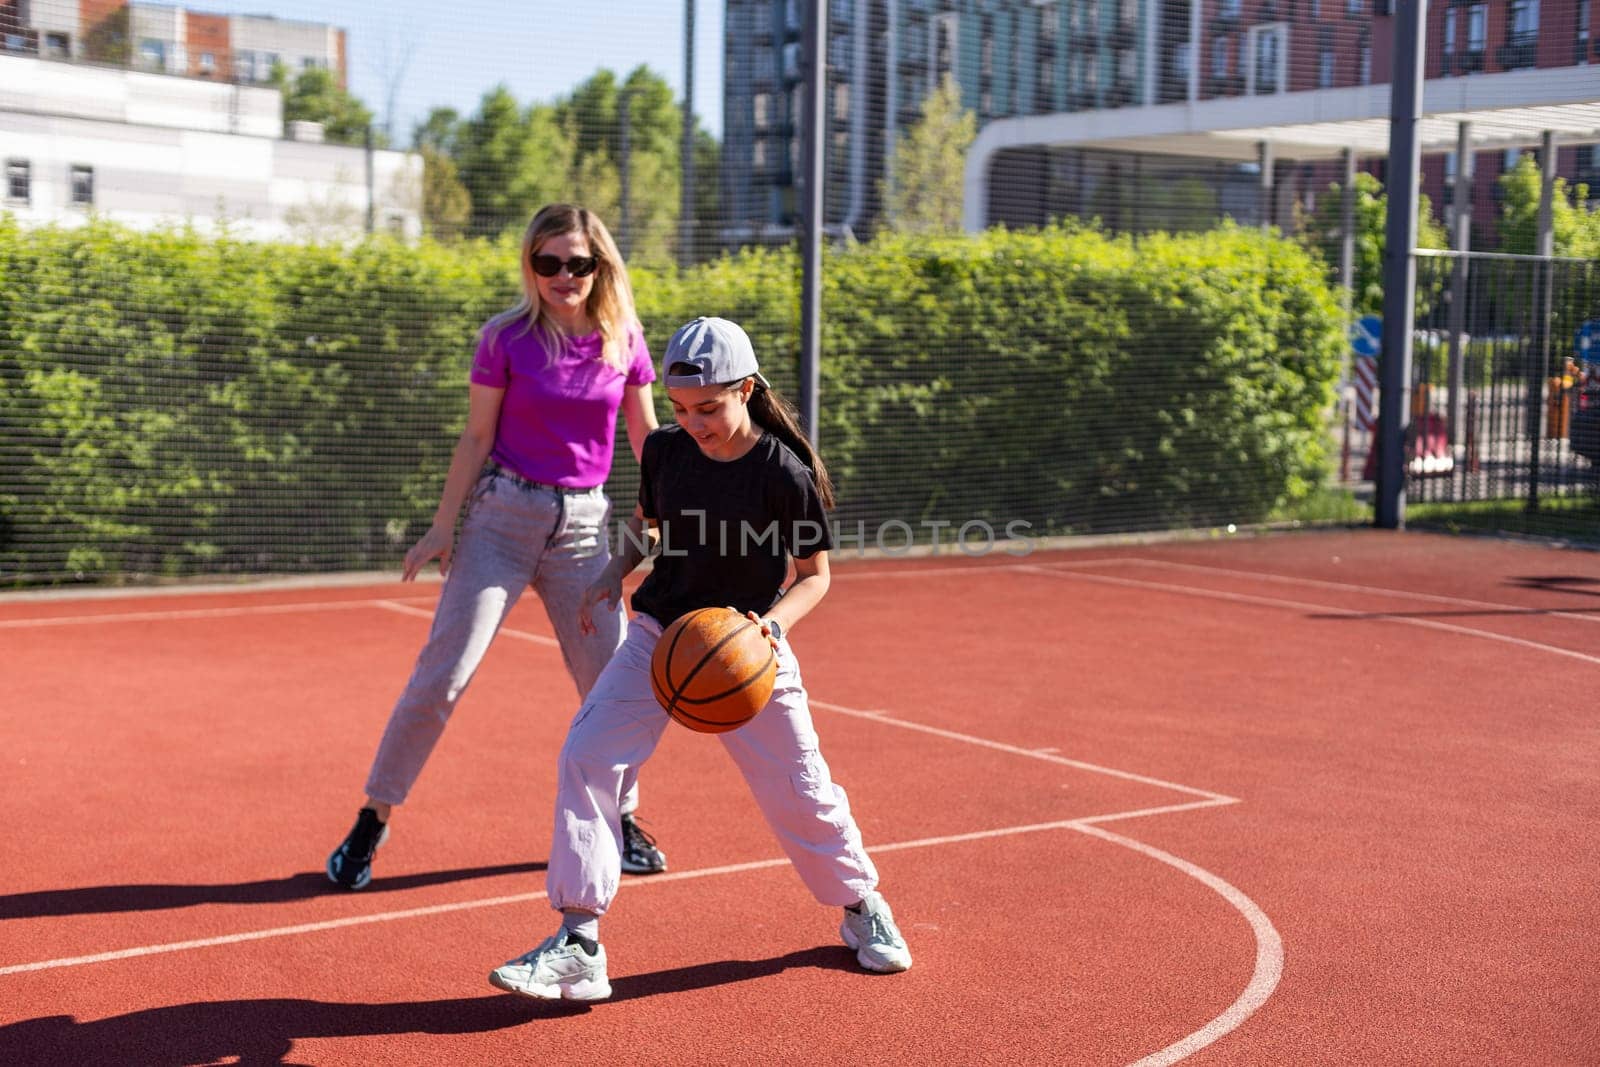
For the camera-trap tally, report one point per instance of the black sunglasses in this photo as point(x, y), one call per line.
point(577, 266)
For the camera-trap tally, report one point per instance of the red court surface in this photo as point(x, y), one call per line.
point(1318, 798)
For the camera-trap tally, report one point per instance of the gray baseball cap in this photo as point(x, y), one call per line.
point(720, 349)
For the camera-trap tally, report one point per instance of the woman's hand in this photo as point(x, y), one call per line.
point(605, 589)
point(438, 541)
point(759, 621)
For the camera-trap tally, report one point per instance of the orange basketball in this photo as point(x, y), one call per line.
point(712, 670)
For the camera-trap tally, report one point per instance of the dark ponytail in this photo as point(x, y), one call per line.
point(778, 417)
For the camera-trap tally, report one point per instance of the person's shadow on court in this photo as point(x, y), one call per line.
point(97, 899)
point(264, 1031)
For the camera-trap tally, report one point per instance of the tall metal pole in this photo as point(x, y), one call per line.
point(814, 119)
point(625, 166)
point(1539, 346)
point(686, 220)
point(1399, 265)
point(1461, 241)
point(1347, 231)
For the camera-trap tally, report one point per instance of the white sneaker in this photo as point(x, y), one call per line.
point(559, 969)
point(873, 934)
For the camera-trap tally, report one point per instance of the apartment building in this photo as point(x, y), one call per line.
point(80, 140)
point(166, 39)
point(1019, 59)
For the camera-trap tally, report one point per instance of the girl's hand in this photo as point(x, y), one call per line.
point(759, 621)
point(438, 541)
point(607, 589)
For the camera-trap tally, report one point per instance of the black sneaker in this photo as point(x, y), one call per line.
point(351, 863)
point(639, 852)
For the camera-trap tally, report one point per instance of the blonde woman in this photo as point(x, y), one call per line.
point(548, 380)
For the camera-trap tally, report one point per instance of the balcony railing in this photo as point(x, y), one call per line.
point(1518, 52)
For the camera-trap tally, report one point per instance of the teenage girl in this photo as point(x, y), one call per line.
point(733, 491)
point(548, 380)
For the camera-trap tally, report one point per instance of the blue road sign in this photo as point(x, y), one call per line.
point(1366, 335)
point(1586, 346)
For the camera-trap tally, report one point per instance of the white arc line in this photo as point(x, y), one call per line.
point(523, 898)
point(1269, 953)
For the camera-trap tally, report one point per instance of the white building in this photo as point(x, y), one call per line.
point(149, 150)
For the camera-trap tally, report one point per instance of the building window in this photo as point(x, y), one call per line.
point(152, 54)
point(82, 184)
point(208, 62)
point(1477, 27)
point(1221, 56)
point(1524, 17)
point(945, 29)
point(1268, 51)
point(57, 46)
point(841, 101)
point(15, 42)
point(758, 154)
point(1049, 24)
point(19, 180)
point(1512, 156)
point(1366, 57)
point(761, 108)
point(1449, 32)
point(1231, 8)
point(1316, 9)
point(1355, 7)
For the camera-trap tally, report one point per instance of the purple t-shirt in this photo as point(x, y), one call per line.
point(558, 419)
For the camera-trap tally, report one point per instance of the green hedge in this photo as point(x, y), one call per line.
point(172, 404)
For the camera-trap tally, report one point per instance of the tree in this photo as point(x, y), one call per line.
point(511, 161)
point(1371, 218)
point(925, 194)
point(107, 40)
point(593, 114)
point(1575, 227)
point(315, 96)
point(446, 204)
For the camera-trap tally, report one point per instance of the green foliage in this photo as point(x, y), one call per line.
point(512, 160)
point(925, 193)
point(1371, 217)
point(446, 204)
point(171, 404)
point(316, 96)
point(107, 40)
point(1575, 227)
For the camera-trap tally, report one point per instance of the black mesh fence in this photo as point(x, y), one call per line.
point(1090, 265)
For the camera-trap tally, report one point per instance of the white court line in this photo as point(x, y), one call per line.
point(1015, 750)
point(505, 631)
point(1323, 609)
point(186, 613)
point(1269, 946)
point(1321, 583)
point(1264, 977)
point(1084, 824)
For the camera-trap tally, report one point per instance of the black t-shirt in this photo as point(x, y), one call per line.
point(727, 528)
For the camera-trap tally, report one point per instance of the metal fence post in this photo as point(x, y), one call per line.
point(1399, 265)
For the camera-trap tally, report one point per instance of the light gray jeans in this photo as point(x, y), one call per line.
point(515, 534)
point(617, 729)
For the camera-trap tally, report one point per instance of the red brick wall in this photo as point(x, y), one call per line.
point(208, 33)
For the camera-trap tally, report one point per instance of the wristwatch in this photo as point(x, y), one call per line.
point(775, 628)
